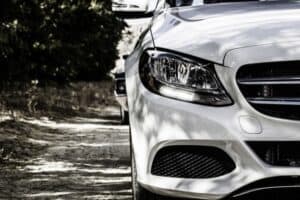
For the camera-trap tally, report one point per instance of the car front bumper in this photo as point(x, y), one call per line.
point(158, 122)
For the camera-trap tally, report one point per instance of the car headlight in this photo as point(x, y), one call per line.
point(175, 76)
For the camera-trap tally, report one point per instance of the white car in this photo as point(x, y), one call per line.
point(214, 103)
point(133, 5)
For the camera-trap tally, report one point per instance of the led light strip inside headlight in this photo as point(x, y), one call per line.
point(172, 75)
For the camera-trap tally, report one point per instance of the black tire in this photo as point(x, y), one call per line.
point(124, 116)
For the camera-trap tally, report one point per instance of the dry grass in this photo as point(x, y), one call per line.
point(64, 101)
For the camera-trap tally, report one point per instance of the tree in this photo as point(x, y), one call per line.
point(57, 40)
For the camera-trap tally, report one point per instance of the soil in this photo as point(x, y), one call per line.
point(71, 158)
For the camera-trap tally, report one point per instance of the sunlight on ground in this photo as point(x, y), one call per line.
point(43, 142)
point(46, 166)
point(48, 194)
point(86, 126)
point(102, 144)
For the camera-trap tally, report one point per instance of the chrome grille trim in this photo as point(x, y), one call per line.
point(272, 88)
point(275, 101)
point(270, 81)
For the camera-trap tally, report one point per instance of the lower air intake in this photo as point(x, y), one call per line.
point(192, 162)
point(285, 154)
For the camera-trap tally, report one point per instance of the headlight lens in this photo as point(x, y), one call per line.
point(178, 77)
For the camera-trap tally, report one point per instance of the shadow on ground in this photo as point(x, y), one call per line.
point(74, 158)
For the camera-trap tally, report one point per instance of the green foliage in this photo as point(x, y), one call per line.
point(57, 40)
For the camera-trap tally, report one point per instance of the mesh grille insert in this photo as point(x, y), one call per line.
point(192, 162)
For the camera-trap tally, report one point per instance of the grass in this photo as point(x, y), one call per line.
point(57, 101)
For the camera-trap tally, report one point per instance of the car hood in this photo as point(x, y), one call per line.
point(211, 31)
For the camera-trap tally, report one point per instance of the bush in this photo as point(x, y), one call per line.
point(57, 40)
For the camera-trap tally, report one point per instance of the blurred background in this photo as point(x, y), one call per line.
point(61, 129)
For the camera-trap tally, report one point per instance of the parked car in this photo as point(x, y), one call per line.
point(136, 27)
point(214, 103)
point(118, 76)
point(133, 5)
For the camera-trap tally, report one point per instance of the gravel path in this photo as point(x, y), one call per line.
point(78, 158)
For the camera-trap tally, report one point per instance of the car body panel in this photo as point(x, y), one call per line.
point(209, 33)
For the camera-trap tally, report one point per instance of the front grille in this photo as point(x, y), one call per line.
point(272, 88)
point(277, 188)
point(191, 162)
point(278, 153)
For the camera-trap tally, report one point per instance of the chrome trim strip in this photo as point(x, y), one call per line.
point(270, 81)
point(275, 101)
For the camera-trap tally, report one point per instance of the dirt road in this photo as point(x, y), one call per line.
point(76, 158)
point(72, 158)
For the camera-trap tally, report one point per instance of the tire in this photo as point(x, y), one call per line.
point(124, 116)
point(138, 192)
